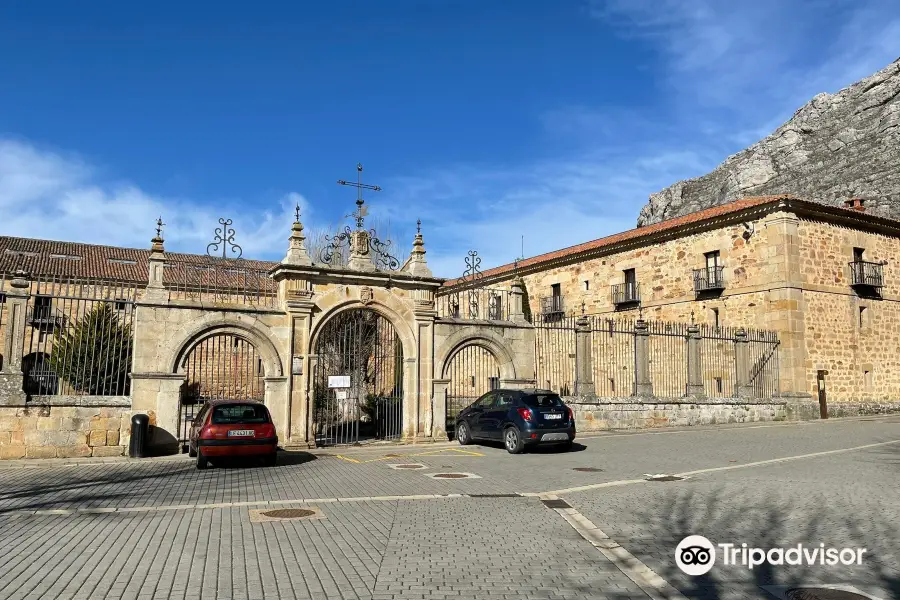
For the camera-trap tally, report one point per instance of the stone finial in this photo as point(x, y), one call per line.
point(297, 253)
point(158, 241)
point(416, 263)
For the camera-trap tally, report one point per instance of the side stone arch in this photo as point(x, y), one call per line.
point(477, 336)
point(254, 331)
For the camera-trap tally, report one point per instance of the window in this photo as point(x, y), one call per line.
point(712, 260)
point(542, 400)
point(2, 298)
point(121, 304)
point(587, 285)
point(555, 290)
point(240, 413)
point(42, 301)
point(867, 380)
point(858, 254)
point(630, 278)
point(486, 401)
point(494, 383)
point(715, 316)
point(862, 316)
point(719, 388)
point(504, 401)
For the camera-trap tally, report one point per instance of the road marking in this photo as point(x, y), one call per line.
point(395, 456)
point(771, 461)
point(643, 576)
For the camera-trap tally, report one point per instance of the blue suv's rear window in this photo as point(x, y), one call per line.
point(239, 413)
point(542, 400)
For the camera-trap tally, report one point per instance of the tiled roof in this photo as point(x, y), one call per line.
point(73, 259)
point(631, 234)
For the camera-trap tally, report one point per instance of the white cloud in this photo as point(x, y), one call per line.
point(45, 194)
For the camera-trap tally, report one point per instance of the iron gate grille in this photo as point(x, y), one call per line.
point(473, 371)
point(223, 366)
point(362, 345)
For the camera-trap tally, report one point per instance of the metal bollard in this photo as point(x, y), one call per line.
point(140, 428)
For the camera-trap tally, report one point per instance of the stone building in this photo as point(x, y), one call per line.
point(823, 278)
point(735, 313)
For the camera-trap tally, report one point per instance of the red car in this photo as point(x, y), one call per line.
point(233, 429)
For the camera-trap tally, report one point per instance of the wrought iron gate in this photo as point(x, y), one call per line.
point(221, 366)
point(472, 371)
point(362, 345)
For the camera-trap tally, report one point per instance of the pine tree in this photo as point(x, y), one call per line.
point(94, 355)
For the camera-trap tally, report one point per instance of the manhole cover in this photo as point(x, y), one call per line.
point(662, 477)
point(393, 455)
point(453, 475)
point(285, 514)
point(407, 466)
point(587, 469)
point(816, 593)
point(288, 513)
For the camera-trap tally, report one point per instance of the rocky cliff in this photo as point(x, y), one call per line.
point(838, 146)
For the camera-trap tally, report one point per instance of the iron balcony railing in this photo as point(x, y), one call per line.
point(46, 317)
point(868, 274)
point(480, 303)
point(626, 293)
point(709, 279)
point(552, 305)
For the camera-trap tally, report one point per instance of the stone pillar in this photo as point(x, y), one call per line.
point(277, 400)
point(642, 384)
point(299, 306)
point(425, 315)
point(11, 378)
point(742, 364)
point(584, 371)
point(694, 366)
point(439, 408)
point(410, 398)
point(309, 401)
point(517, 301)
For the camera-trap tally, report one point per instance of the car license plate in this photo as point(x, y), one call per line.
point(553, 416)
point(241, 433)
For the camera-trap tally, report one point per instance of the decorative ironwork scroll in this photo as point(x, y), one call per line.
point(334, 244)
point(224, 238)
point(381, 253)
point(472, 279)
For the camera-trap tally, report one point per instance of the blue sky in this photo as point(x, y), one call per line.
point(488, 119)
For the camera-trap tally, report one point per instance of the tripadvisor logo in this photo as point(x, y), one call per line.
point(696, 555)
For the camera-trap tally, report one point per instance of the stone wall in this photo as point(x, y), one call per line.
point(44, 431)
point(852, 338)
point(626, 413)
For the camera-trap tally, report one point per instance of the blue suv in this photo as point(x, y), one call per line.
point(518, 418)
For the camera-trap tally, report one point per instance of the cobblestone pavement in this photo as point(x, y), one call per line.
point(162, 529)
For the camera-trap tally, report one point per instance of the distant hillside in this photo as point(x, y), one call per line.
point(838, 146)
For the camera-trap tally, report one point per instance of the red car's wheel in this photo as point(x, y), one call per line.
point(202, 463)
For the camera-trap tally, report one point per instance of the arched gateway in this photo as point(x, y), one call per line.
point(358, 379)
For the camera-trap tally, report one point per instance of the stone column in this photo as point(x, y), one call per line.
point(309, 401)
point(425, 316)
point(276, 398)
point(11, 378)
point(694, 366)
point(439, 410)
point(299, 306)
point(517, 301)
point(642, 384)
point(410, 398)
point(584, 371)
point(742, 364)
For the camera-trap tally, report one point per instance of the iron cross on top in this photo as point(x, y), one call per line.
point(360, 186)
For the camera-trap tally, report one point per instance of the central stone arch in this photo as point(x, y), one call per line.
point(374, 347)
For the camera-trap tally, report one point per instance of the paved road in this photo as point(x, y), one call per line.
point(162, 529)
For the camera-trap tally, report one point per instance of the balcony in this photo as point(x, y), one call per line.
point(552, 305)
point(46, 317)
point(867, 277)
point(626, 294)
point(709, 280)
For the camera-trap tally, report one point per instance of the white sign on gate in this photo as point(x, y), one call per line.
point(341, 394)
point(338, 381)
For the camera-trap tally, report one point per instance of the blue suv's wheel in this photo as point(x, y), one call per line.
point(463, 435)
point(513, 441)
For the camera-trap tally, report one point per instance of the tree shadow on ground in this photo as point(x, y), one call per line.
point(286, 458)
point(722, 518)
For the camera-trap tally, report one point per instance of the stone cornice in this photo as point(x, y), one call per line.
point(347, 276)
